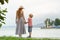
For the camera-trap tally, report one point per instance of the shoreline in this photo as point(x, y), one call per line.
point(36, 33)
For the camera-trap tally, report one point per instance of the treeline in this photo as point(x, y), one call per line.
point(50, 22)
point(57, 22)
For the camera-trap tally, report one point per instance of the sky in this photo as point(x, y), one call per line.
point(41, 9)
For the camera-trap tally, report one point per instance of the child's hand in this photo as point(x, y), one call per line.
point(25, 22)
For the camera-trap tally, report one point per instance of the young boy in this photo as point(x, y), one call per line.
point(30, 25)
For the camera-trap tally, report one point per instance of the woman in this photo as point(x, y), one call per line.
point(20, 21)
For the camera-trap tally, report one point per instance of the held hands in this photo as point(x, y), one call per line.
point(25, 22)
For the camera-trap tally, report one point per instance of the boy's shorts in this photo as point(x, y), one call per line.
point(29, 28)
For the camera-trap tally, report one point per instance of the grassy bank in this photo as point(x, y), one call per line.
point(16, 38)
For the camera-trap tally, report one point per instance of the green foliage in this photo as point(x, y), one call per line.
point(2, 1)
point(57, 22)
point(2, 16)
point(47, 20)
point(6, 1)
point(2, 12)
point(50, 22)
point(17, 38)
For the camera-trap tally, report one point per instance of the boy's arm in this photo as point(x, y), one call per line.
point(28, 21)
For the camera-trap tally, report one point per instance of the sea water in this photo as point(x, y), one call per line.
point(36, 32)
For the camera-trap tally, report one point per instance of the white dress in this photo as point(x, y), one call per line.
point(20, 27)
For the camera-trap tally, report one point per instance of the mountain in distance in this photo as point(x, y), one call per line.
point(39, 25)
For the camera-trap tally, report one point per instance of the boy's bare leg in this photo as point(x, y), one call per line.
point(30, 34)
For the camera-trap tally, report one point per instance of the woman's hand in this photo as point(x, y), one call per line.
point(25, 22)
point(16, 21)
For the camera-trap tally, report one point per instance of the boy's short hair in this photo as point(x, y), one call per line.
point(31, 15)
